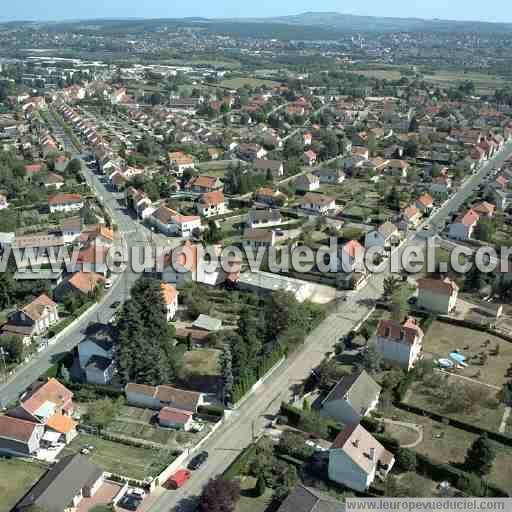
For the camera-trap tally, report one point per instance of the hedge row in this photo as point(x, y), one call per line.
point(211, 410)
point(97, 389)
point(239, 465)
point(294, 416)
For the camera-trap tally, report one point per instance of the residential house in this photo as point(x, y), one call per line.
point(441, 186)
point(437, 295)
point(268, 196)
point(356, 458)
point(318, 203)
point(251, 152)
point(64, 486)
point(351, 256)
point(307, 139)
point(177, 419)
point(118, 181)
point(171, 223)
point(360, 152)
point(71, 229)
point(307, 183)
point(255, 238)
point(158, 397)
point(82, 283)
point(464, 226)
point(52, 180)
point(65, 203)
point(207, 323)
point(305, 499)
point(411, 216)
point(485, 209)
point(310, 157)
point(272, 169)
point(204, 184)
point(351, 399)
point(330, 176)
point(3, 202)
point(19, 437)
point(398, 168)
point(170, 300)
point(179, 161)
point(31, 320)
point(257, 218)
point(211, 204)
point(384, 236)
point(424, 203)
point(399, 344)
point(96, 354)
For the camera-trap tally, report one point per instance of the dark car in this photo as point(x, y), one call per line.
point(198, 461)
point(129, 502)
point(115, 304)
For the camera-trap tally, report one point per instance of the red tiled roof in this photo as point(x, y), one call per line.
point(16, 429)
point(51, 391)
point(212, 198)
point(403, 333)
point(445, 286)
point(173, 415)
point(65, 199)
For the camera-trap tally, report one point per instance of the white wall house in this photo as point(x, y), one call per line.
point(356, 457)
point(382, 237)
point(65, 203)
point(439, 296)
point(318, 203)
point(464, 226)
point(351, 399)
point(400, 345)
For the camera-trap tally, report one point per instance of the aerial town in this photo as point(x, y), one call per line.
point(255, 386)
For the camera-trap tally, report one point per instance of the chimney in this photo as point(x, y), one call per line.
point(356, 442)
point(371, 454)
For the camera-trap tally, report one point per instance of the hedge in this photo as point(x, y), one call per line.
point(97, 389)
point(211, 410)
point(239, 465)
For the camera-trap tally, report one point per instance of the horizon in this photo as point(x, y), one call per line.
point(128, 10)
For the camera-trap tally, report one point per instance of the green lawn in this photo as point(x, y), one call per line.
point(16, 479)
point(485, 411)
point(202, 361)
point(236, 83)
point(121, 459)
point(501, 473)
point(442, 338)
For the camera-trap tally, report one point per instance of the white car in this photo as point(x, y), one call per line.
point(108, 283)
point(137, 492)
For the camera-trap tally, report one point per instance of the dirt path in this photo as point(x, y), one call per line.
point(412, 426)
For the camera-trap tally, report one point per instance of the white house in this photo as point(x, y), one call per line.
point(439, 296)
point(96, 354)
point(263, 218)
point(352, 398)
point(158, 397)
point(330, 176)
point(65, 203)
point(170, 298)
point(169, 417)
point(171, 223)
point(384, 236)
point(20, 437)
point(464, 226)
point(307, 183)
point(211, 204)
point(255, 238)
point(399, 344)
point(356, 458)
point(318, 203)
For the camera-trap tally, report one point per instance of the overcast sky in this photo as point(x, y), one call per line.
point(496, 10)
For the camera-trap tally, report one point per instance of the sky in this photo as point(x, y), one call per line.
point(497, 10)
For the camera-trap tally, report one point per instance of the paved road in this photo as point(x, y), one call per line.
point(250, 419)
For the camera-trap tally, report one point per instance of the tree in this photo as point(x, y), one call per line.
point(480, 456)
point(291, 443)
point(391, 286)
point(226, 365)
point(219, 495)
point(406, 459)
point(372, 360)
point(101, 413)
point(261, 487)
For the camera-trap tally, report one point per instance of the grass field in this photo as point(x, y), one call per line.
point(236, 83)
point(16, 479)
point(442, 338)
point(203, 361)
point(130, 461)
point(482, 413)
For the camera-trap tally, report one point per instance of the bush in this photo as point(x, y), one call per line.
point(211, 410)
point(406, 459)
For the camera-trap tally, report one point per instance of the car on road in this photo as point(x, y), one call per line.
point(198, 461)
point(115, 304)
point(129, 502)
point(108, 283)
point(178, 479)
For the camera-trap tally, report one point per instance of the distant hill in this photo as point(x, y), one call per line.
point(350, 22)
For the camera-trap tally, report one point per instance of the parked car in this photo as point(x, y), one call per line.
point(198, 461)
point(129, 502)
point(115, 304)
point(137, 492)
point(108, 283)
point(179, 479)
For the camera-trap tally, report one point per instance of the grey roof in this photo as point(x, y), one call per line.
point(100, 334)
point(305, 499)
point(262, 164)
point(207, 323)
point(387, 229)
point(57, 488)
point(358, 388)
point(99, 363)
point(267, 215)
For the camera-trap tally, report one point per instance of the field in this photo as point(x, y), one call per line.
point(130, 461)
point(200, 370)
point(442, 338)
point(484, 410)
point(16, 478)
point(237, 83)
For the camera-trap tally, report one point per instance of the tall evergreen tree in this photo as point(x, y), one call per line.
point(480, 456)
point(226, 365)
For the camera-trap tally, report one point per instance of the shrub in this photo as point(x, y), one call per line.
point(406, 459)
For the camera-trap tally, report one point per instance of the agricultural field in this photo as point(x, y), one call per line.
point(16, 478)
point(237, 83)
point(121, 459)
point(443, 338)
